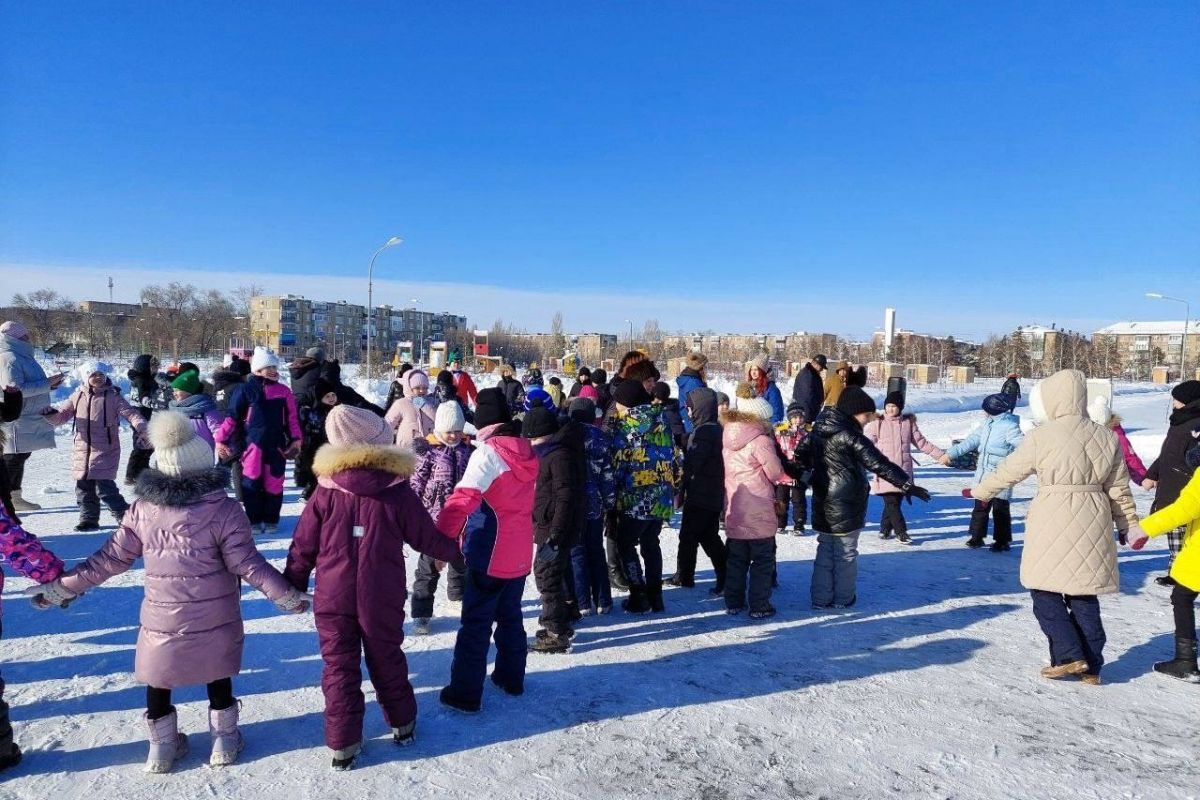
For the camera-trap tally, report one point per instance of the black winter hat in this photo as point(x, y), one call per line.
point(1187, 392)
point(599, 377)
point(997, 404)
point(821, 360)
point(662, 392)
point(796, 410)
point(582, 409)
point(894, 399)
point(445, 377)
point(856, 401)
point(630, 394)
point(539, 421)
point(491, 408)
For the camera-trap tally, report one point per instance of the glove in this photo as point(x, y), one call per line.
point(292, 450)
point(968, 493)
point(917, 492)
point(50, 594)
point(547, 552)
point(1137, 537)
point(294, 602)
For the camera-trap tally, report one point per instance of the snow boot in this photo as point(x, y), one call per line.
point(167, 744)
point(655, 597)
point(227, 739)
point(11, 758)
point(21, 504)
point(764, 613)
point(344, 759)
point(1000, 547)
point(550, 643)
point(421, 628)
point(1065, 670)
point(510, 689)
point(1161, 580)
point(84, 527)
point(451, 700)
point(676, 580)
point(636, 603)
point(405, 735)
point(1090, 678)
point(1183, 666)
point(975, 543)
point(904, 538)
point(542, 633)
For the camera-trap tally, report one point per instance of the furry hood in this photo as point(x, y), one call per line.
point(165, 490)
point(332, 459)
point(741, 428)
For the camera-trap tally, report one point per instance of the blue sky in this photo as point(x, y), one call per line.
point(734, 166)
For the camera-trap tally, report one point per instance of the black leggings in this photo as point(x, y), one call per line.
point(14, 464)
point(893, 520)
point(1183, 602)
point(158, 701)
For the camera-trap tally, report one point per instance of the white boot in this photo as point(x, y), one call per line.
point(227, 740)
point(21, 504)
point(167, 744)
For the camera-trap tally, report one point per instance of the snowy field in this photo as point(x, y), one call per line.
point(928, 688)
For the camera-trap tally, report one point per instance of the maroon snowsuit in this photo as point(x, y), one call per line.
point(353, 531)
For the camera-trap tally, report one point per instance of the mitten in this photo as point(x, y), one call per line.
point(50, 594)
point(918, 492)
point(294, 602)
point(1137, 537)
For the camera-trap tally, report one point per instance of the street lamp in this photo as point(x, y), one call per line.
point(630, 323)
point(392, 242)
point(420, 343)
point(1187, 321)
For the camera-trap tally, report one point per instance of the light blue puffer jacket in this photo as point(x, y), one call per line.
point(993, 440)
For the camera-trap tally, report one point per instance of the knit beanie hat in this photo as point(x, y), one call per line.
point(315, 353)
point(756, 406)
point(1187, 392)
point(445, 378)
point(582, 409)
point(796, 410)
point(997, 404)
point(630, 394)
point(696, 361)
point(178, 451)
point(759, 361)
point(895, 399)
point(599, 377)
point(449, 418)
point(537, 396)
point(349, 425)
point(89, 368)
point(15, 330)
point(856, 401)
point(262, 359)
point(415, 377)
point(491, 408)
point(539, 421)
point(187, 382)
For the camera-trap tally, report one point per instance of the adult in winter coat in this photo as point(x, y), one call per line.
point(491, 509)
point(23, 552)
point(603, 390)
point(993, 441)
point(441, 464)
point(838, 456)
point(513, 391)
point(559, 515)
point(331, 373)
point(593, 593)
point(200, 409)
point(752, 468)
point(264, 422)
point(896, 434)
point(1185, 570)
point(353, 532)
point(396, 390)
point(467, 392)
point(10, 410)
point(1012, 389)
point(413, 415)
point(1070, 556)
point(702, 484)
point(97, 407)
point(304, 373)
point(582, 378)
point(835, 384)
point(196, 546)
point(1170, 473)
point(692, 376)
point(312, 429)
point(761, 376)
point(29, 432)
point(809, 390)
point(147, 396)
point(1100, 413)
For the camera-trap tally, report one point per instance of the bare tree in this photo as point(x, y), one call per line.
point(46, 314)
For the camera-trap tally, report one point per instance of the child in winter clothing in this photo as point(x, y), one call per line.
point(199, 408)
point(671, 412)
point(1100, 413)
point(96, 406)
point(896, 434)
point(593, 593)
point(559, 513)
point(353, 531)
point(11, 402)
point(498, 547)
point(702, 486)
point(752, 468)
point(196, 545)
point(554, 388)
point(263, 419)
point(412, 416)
point(24, 553)
point(514, 392)
point(312, 429)
point(993, 440)
point(467, 393)
point(533, 377)
point(1185, 570)
point(790, 491)
point(441, 463)
point(837, 456)
point(29, 432)
point(1169, 472)
point(396, 390)
point(147, 396)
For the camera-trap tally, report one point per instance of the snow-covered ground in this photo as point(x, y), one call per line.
point(928, 688)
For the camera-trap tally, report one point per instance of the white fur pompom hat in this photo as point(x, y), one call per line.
point(262, 359)
point(178, 451)
point(757, 406)
point(89, 368)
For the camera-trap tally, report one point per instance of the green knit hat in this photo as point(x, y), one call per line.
point(187, 382)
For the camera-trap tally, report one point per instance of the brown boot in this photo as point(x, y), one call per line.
point(1090, 679)
point(1065, 670)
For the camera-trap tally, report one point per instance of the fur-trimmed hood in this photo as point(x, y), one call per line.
point(185, 490)
point(363, 469)
point(741, 428)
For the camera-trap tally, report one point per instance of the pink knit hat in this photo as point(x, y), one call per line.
point(350, 425)
point(15, 329)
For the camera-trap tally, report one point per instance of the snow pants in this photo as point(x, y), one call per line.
point(590, 569)
point(1183, 603)
point(139, 461)
point(262, 484)
point(89, 494)
point(550, 575)
point(425, 583)
point(755, 559)
point(1072, 626)
point(633, 534)
point(700, 528)
point(343, 643)
point(488, 602)
point(14, 465)
point(835, 570)
point(793, 495)
point(1001, 517)
point(892, 520)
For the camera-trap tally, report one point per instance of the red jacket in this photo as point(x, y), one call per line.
point(465, 387)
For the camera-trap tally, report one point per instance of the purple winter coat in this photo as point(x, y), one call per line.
point(97, 413)
point(896, 437)
point(196, 544)
point(439, 469)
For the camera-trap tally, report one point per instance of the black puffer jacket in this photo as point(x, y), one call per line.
point(560, 501)
point(145, 391)
point(224, 382)
point(1011, 388)
point(1170, 469)
point(305, 372)
point(839, 457)
point(703, 481)
point(809, 391)
point(513, 390)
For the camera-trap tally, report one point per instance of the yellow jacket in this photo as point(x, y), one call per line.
point(1184, 511)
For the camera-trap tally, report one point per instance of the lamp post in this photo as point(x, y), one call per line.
point(1187, 321)
point(630, 323)
point(420, 343)
point(392, 242)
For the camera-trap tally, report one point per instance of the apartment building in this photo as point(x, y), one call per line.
point(1152, 343)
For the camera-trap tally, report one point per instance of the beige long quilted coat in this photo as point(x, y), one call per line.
point(1083, 493)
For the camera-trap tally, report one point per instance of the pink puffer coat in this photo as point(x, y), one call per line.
point(410, 422)
point(896, 437)
point(97, 414)
point(752, 468)
point(196, 543)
